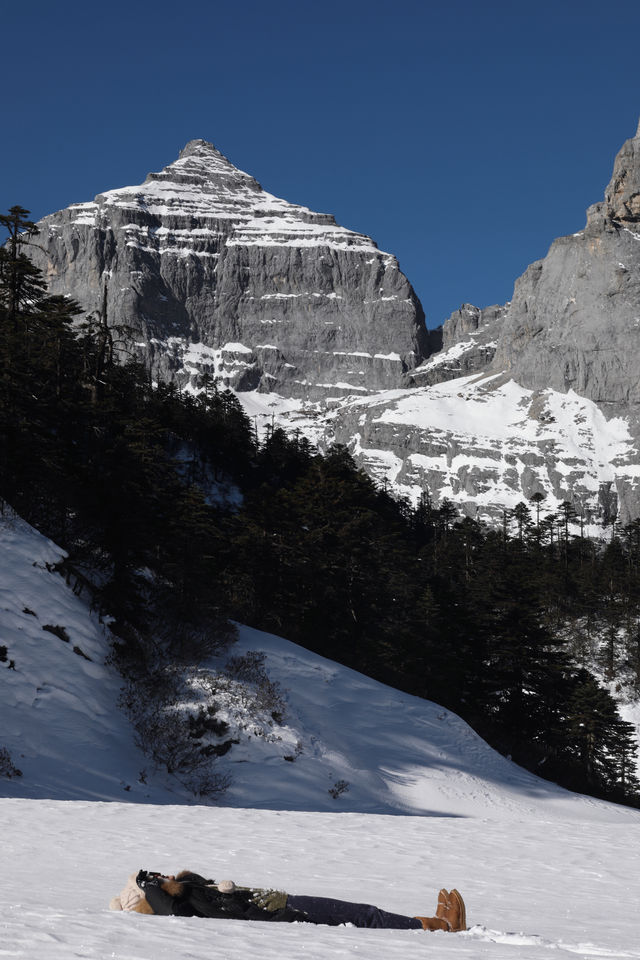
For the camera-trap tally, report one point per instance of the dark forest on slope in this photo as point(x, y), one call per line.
point(179, 520)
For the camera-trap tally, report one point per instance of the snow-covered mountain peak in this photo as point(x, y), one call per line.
point(215, 276)
point(201, 148)
point(201, 165)
point(305, 298)
point(203, 183)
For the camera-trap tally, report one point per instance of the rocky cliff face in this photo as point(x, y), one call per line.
point(574, 321)
point(212, 273)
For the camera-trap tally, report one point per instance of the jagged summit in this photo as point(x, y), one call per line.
point(557, 409)
point(203, 183)
point(573, 320)
point(200, 168)
point(573, 323)
point(202, 159)
point(200, 147)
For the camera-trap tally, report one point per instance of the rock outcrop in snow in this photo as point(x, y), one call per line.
point(212, 273)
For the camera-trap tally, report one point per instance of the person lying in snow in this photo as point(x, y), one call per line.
point(189, 895)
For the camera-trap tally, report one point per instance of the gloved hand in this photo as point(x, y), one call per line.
point(146, 879)
point(269, 899)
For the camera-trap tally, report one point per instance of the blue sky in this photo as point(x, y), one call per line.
point(462, 136)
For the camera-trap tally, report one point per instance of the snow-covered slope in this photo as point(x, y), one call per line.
point(397, 753)
point(484, 442)
point(58, 708)
point(379, 750)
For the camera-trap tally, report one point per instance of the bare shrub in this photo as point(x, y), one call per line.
point(253, 707)
point(248, 668)
point(206, 721)
point(7, 767)
point(169, 734)
point(175, 709)
point(162, 738)
point(149, 693)
point(339, 787)
point(268, 695)
point(208, 785)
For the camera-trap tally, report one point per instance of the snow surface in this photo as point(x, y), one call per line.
point(445, 357)
point(491, 423)
point(58, 711)
point(487, 408)
point(541, 869)
point(533, 889)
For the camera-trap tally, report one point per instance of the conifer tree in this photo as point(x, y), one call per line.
point(522, 516)
point(21, 283)
point(600, 740)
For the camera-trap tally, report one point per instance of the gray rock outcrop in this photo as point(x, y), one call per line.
point(211, 273)
point(469, 340)
point(574, 320)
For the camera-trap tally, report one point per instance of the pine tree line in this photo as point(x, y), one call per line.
point(498, 625)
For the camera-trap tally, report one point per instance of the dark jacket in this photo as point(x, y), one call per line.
point(194, 896)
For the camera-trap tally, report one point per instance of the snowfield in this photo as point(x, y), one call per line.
point(533, 888)
point(428, 804)
point(486, 438)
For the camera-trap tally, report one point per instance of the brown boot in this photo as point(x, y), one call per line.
point(455, 913)
point(443, 903)
point(433, 923)
point(439, 922)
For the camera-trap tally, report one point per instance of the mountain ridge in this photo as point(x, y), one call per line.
point(572, 328)
point(221, 280)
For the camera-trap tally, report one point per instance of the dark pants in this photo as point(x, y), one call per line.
point(334, 912)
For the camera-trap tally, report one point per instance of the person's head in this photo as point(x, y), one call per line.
point(131, 898)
